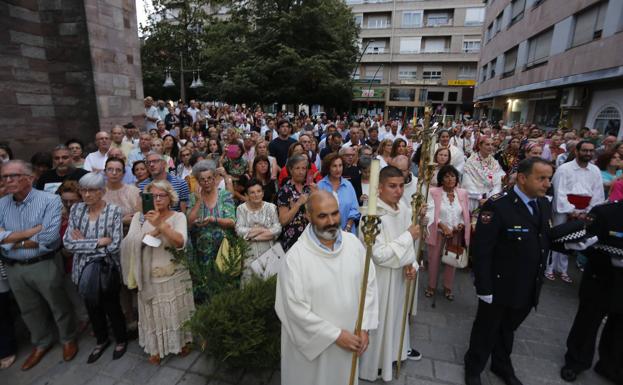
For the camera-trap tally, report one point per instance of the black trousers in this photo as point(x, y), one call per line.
point(8, 343)
point(583, 337)
point(492, 335)
point(108, 306)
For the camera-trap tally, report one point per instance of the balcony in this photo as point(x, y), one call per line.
point(404, 57)
point(436, 23)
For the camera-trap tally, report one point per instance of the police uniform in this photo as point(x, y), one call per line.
point(510, 249)
point(601, 294)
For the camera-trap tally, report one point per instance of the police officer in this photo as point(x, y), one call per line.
point(510, 249)
point(601, 294)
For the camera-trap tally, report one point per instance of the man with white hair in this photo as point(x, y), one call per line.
point(318, 290)
point(150, 115)
point(95, 161)
point(117, 133)
point(157, 166)
point(30, 223)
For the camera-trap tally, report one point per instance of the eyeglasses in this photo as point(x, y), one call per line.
point(148, 162)
point(12, 176)
point(85, 190)
point(114, 170)
point(158, 197)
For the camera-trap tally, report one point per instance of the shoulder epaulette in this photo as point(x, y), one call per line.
point(497, 196)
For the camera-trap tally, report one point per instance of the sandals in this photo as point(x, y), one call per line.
point(97, 352)
point(429, 292)
point(550, 276)
point(448, 294)
point(120, 350)
point(186, 350)
point(6, 362)
point(566, 278)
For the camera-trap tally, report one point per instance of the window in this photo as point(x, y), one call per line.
point(431, 73)
point(471, 46)
point(359, 20)
point(517, 10)
point(375, 47)
point(412, 19)
point(589, 24)
point(407, 72)
point(467, 71)
point(608, 120)
point(483, 73)
point(402, 94)
point(492, 66)
point(474, 16)
point(436, 96)
point(510, 61)
point(489, 31)
point(410, 44)
point(453, 96)
point(435, 44)
point(538, 48)
point(436, 19)
point(498, 24)
point(374, 73)
point(423, 95)
point(378, 22)
point(357, 74)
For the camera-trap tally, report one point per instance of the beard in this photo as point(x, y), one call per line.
point(327, 233)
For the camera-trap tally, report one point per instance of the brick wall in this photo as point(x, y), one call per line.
point(61, 75)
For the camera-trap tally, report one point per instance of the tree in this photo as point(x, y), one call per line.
point(286, 51)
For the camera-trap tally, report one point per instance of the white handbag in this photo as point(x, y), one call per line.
point(454, 254)
point(269, 263)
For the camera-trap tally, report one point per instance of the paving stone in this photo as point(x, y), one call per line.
point(449, 372)
point(204, 365)
point(435, 350)
point(119, 368)
point(422, 368)
point(184, 363)
point(165, 376)
point(101, 380)
point(140, 372)
point(256, 377)
point(192, 379)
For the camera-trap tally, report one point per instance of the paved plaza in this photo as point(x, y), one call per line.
point(441, 334)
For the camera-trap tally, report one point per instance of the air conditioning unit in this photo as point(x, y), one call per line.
point(573, 97)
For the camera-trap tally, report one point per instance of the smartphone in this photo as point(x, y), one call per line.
point(148, 202)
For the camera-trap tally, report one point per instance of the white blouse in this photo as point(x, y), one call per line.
point(450, 213)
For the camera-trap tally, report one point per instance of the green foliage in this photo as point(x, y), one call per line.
point(265, 51)
point(240, 327)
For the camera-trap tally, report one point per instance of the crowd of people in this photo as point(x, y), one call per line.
point(78, 211)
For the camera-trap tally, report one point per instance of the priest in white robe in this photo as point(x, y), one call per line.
point(394, 259)
point(318, 290)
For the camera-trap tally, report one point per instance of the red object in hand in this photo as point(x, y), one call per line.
point(579, 201)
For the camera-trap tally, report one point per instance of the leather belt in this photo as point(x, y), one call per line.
point(30, 261)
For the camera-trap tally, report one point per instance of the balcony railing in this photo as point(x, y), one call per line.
point(377, 26)
point(439, 23)
point(375, 51)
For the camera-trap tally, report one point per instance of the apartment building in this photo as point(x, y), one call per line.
point(553, 63)
point(414, 51)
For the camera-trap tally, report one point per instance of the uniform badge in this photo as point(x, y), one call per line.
point(486, 217)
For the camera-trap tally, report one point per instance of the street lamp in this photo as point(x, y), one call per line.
point(168, 80)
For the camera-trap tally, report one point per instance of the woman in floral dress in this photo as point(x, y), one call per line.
point(291, 200)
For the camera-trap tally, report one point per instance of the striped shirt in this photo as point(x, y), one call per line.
point(179, 185)
point(38, 208)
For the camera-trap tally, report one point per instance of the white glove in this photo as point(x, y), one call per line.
point(486, 298)
point(579, 246)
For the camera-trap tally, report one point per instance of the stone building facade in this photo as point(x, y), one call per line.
point(67, 69)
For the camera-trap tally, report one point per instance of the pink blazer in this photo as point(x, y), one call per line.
point(433, 232)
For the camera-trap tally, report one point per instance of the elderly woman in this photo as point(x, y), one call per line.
point(332, 181)
point(125, 196)
point(76, 149)
point(257, 222)
point(94, 236)
point(482, 177)
point(448, 215)
point(184, 168)
point(312, 172)
point(291, 199)
point(165, 300)
point(211, 213)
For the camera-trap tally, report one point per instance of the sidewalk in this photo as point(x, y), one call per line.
point(440, 334)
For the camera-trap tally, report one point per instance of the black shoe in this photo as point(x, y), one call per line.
point(568, 374)
point(97, 352)
point(507, 378)
point(116, 354)
point(413, 355)
point(472, 380)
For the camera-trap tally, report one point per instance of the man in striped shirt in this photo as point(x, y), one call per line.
point(29, 239)
point(157, 168)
